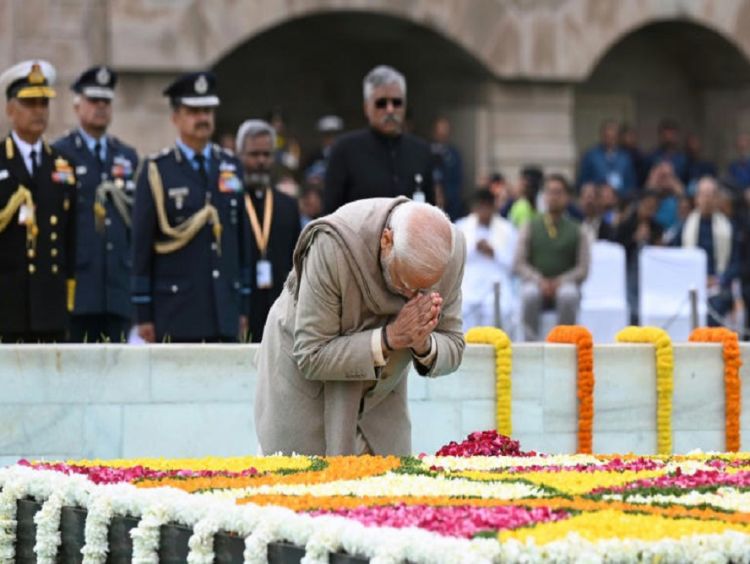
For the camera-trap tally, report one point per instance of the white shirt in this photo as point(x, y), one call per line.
point(25, 149)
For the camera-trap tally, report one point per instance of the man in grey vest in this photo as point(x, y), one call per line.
point(552, 259)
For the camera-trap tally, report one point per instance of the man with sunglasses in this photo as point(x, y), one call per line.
point(381, 160)
point(190, 265)
point(105, 168)
point(37, 214)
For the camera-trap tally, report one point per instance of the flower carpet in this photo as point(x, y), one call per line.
point(483, 500)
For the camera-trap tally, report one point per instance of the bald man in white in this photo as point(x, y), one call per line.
point(376, 287)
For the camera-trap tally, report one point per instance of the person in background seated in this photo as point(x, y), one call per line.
point(663, 180)
point(697, 166)
point(739, 169)
point(310, 204)
point(638, 229)
point(490, 245)
point(522, 208)
point(668, 149)
point(552, 259)
point(710, 230)
point(608, 163)
point(590, 203)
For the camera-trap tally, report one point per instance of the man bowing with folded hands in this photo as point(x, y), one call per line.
point(376, 287)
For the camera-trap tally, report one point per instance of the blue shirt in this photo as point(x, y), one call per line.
point(190, 155)
point(739, 170)
point(666, 215)
point(91, 144)
point(614, 168)
point(678, 160)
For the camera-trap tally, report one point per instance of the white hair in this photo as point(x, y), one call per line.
point(253, 128)
point(381, 76)
point(422, 249)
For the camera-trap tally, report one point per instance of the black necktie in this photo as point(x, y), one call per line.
point(98, 155)
point(201, 160)
point(34, 164)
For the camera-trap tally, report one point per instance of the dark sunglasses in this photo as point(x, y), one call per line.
point(258, 154)
point(382, 103)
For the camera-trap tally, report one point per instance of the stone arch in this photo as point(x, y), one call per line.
point(314, 65)
point(679, 69)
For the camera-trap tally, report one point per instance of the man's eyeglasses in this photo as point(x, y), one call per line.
point(382, 103)
point(258, 154)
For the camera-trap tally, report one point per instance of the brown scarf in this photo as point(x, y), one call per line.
point(357, 228)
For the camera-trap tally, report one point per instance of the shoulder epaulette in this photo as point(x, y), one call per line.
point(160, 154)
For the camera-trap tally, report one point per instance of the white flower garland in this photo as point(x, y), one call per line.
point(48, 537)
point(392, 484)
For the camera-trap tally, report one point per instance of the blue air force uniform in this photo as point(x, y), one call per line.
point(105, 169)
point(190, 266)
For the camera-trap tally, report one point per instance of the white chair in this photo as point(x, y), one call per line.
point(665, 277)
point(604, 302)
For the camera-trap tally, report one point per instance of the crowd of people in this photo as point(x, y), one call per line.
point(194, 244)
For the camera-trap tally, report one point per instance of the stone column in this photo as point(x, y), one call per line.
point(528, 123)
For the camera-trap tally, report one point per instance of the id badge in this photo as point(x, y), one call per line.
point(419, 197)
point(263, 276)
point(25, 214)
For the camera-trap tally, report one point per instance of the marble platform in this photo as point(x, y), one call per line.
point(109, 401)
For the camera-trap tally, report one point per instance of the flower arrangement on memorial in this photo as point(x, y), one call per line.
point(584, 342)
point(503, 368)
point(481, 500)
point(732, 384)
point(664, 378)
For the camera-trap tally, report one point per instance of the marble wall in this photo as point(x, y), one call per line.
point(173, 401)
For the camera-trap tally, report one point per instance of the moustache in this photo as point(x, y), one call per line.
point(202, 124)
point(392, 118)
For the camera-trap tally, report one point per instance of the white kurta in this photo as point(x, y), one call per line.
point(481, 272)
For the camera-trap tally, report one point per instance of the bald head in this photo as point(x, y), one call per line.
point(416, 247)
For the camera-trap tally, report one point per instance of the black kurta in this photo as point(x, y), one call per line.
point(285, 229)
point(366, 164)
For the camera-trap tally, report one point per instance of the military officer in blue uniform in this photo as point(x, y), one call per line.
point(37, 214)
point(190, 265)
point(105, 169)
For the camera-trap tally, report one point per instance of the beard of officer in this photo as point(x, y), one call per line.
point(194, 125)
point(256, 154)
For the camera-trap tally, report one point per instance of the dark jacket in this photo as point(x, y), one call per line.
point(285, 229)
point(103, 256)
point(33, 277)
point(626, 236)
point(199, 291)
point(366, 164)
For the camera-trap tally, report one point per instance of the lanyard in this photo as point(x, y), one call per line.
point(261, 239)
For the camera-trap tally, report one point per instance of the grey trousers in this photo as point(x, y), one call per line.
point(565, 303)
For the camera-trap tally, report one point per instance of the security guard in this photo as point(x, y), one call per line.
point(37, 214)
point(105, 168)
point(190, 267)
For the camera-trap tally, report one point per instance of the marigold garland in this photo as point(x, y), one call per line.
point(581, 338)
point(732, 383)
point(664, 378)
point(503, 367)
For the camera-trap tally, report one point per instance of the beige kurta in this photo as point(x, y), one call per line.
point(317, 380)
